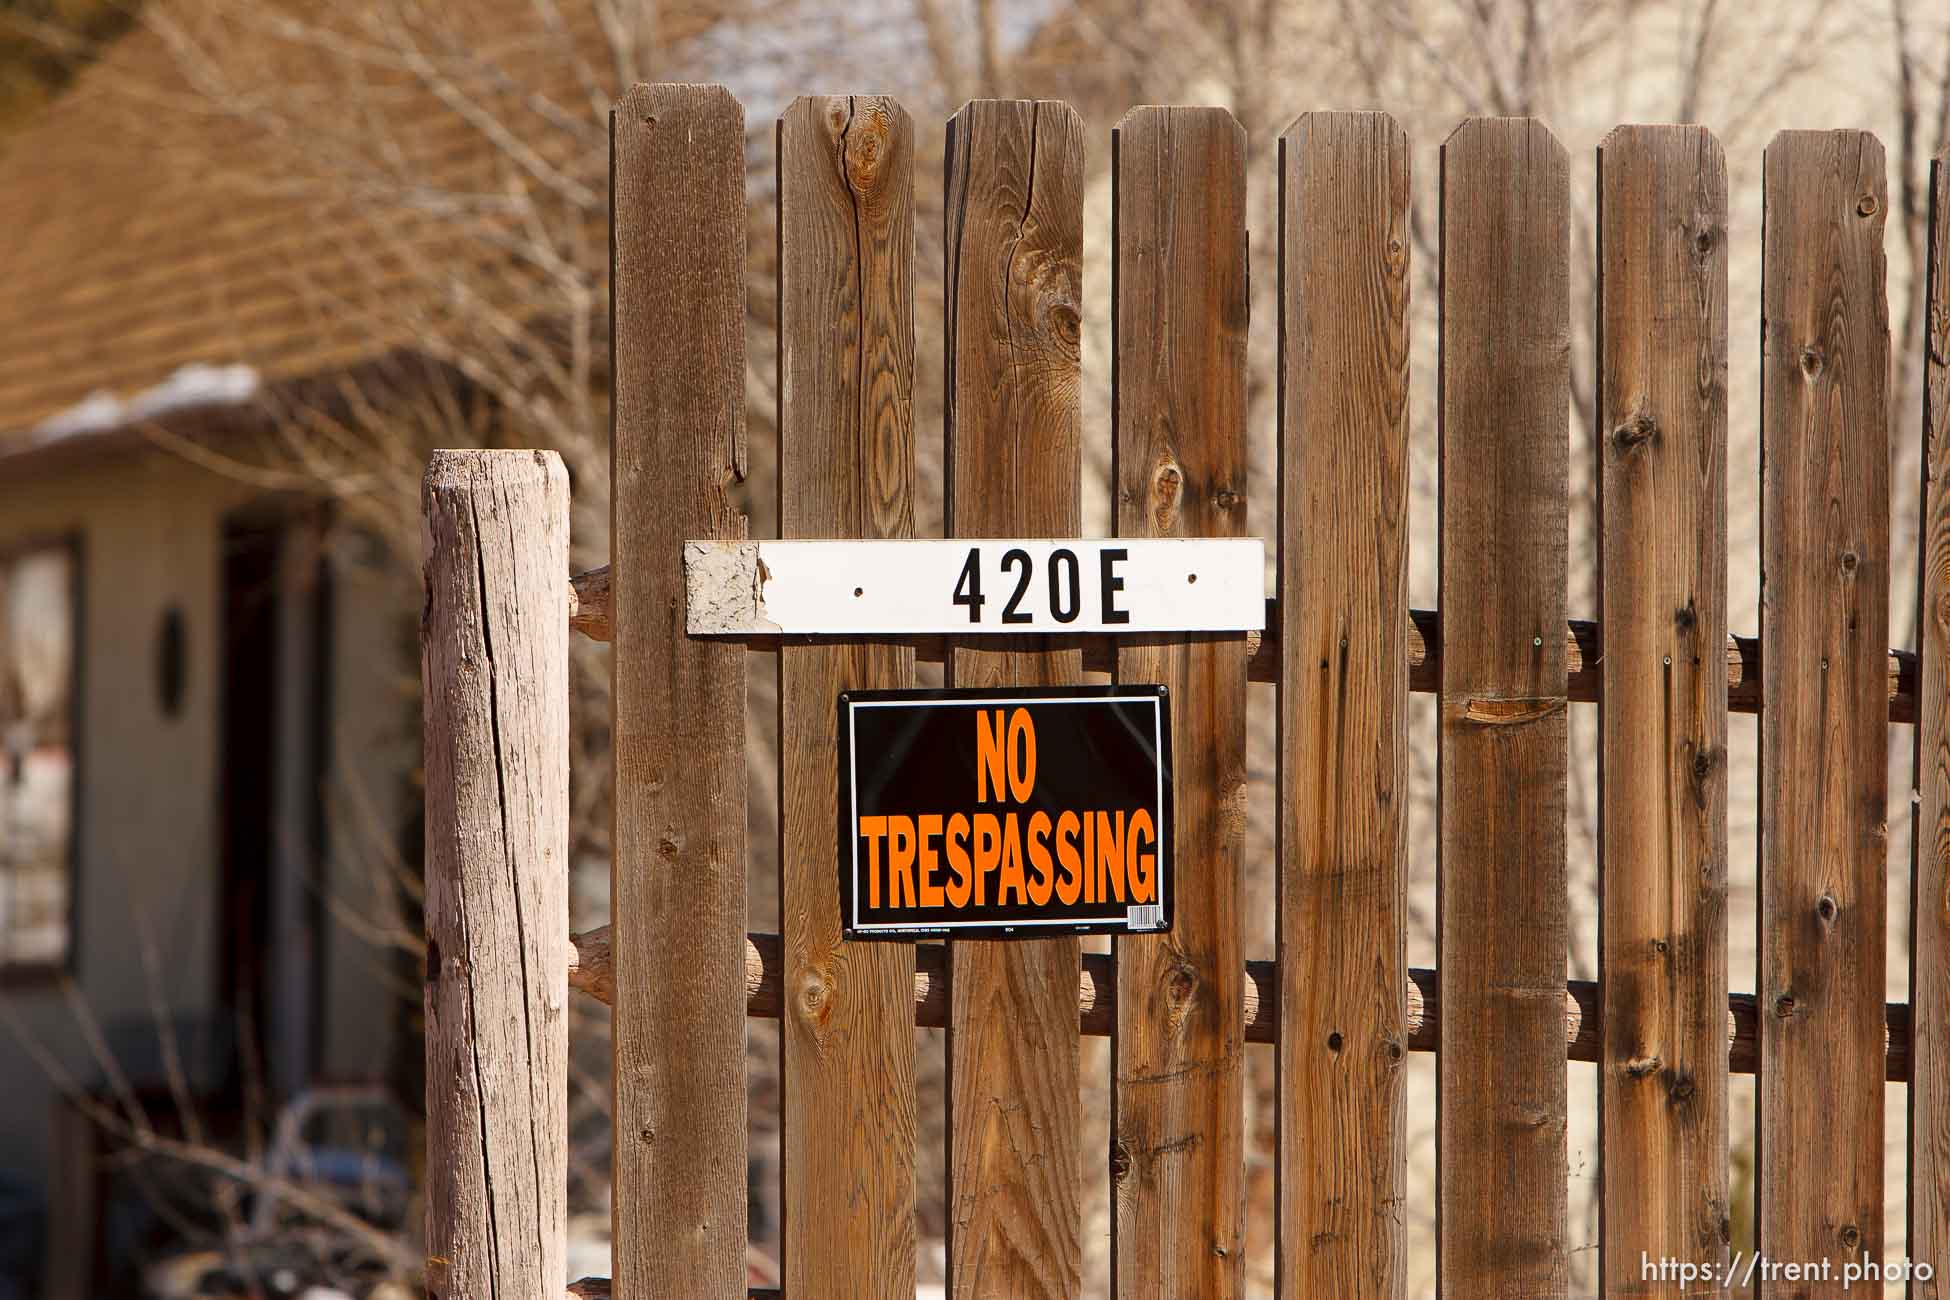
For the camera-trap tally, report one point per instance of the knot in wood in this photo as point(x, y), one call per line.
point(1703, 241)
point(1826, 909)
point(1066, 323)
point(1682, 1089)
point(1180, 996)
point(1634, 433)
point(1867, 206)
point(1811, 361)
point(1849, 561)
point(868, 140)
point(1851, 1236)
point(1167, 483)
point(815, 998)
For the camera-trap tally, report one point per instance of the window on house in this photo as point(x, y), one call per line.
point(38, 617)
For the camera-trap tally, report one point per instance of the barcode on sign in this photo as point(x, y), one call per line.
point(1150, 916)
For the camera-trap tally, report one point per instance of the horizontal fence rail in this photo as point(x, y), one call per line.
point(592, 973)
point(589, 604)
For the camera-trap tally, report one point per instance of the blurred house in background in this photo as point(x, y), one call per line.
point(208, 716)
point(257, 260)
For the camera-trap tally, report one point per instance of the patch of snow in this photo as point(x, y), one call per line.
point(196, 384)
point(98, 410)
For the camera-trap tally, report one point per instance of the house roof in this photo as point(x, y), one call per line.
point(237, 194)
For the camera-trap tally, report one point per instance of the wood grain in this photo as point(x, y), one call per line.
point(1179, 467)
point(677, 878)
point(1929, 970)
point(1662, 732)
point(1823, 733)
point(494, 657)
point(846, 469)
point(1344, 196)
point(1014, 249)
point(1501, 880)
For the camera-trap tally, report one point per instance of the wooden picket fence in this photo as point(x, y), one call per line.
point(1338, 1000)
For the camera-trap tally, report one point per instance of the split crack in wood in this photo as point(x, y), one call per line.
point(1514, 711)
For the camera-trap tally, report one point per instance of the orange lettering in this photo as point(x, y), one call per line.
point(1141, 867)
point(1022, 775)
point(929, 860)
point(1071, 885)
point(1011, 863)
point(988, 852)
point(959, 887)
point(1039, 888)
point(873, 830)
point(900, 861)
point(1090, 881)
point(1110, 855)
point(989, 760)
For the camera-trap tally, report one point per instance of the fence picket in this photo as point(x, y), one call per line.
point(1344, 194)
point(1179, 470)
point(1662, 948)
point(1014, 252)
point(1929, 980)
point(677, 878)
point(846, 469)
point(1824, 728)
point(1501, 945)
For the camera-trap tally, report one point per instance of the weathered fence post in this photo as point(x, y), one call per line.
point(495, 672)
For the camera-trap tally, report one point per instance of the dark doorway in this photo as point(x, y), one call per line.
point(250, 659)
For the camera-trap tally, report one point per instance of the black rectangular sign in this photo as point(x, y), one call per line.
point(1004, 812)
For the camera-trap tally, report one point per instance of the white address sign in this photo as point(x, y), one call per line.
point(975, 585)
